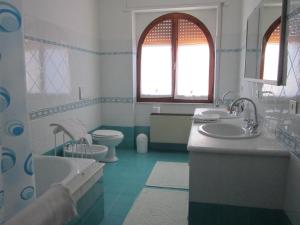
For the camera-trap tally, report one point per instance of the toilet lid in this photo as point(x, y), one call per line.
point(106, 133)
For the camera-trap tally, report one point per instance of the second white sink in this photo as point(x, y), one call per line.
point(226, 130)
point(222, 113)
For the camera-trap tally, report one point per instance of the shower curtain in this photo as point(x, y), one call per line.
point(17, 187)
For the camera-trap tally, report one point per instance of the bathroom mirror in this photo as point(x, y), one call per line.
point(266, 43)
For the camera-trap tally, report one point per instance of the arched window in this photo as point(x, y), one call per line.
point(270, 52)
point(175, 61)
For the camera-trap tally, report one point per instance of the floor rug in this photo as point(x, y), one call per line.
point(169, 175)
point(156, 206)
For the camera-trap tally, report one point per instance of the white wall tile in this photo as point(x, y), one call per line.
point(117, 114)
point(75, 34)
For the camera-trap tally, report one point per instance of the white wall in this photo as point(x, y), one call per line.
point(71, 26)
point(155, 4)
point(116, 66)
point(75, 15)
point(118, 69)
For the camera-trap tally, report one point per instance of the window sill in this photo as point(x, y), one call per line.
point(174, 103)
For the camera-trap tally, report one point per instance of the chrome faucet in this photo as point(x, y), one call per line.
point(251, 125)
point(225, 94)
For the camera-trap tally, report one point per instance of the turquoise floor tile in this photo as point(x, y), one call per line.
point(234, 215)
point(122, 205)
point(266, 217)
point(109, 201)
point(125, 179)
point(204, 214)
point(217, 214)
point(112, 220)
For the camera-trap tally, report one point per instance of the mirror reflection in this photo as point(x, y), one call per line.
point(264, 51)
point(252, 49)
point(270, 30)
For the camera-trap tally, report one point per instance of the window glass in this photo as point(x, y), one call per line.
point(192, 74)
point(272, 55)
point(175, 60)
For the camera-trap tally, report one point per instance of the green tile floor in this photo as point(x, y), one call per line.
point(124, 180)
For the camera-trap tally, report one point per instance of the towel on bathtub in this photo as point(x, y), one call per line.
point(74, 128)
point(54, 207)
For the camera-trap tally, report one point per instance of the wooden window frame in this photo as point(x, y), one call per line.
point(265, 40)
point(175, 17)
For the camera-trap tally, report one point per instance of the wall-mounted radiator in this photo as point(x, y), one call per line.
point(166, 128)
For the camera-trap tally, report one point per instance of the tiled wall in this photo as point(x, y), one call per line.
point(118, 71)
point(60, 59)
point(274, 109)
point(77, 61)
point(274, 105)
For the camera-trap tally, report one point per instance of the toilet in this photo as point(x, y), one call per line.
point(111, 139)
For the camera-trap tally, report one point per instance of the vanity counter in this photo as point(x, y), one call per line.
point(236, 172)
point(261, 145)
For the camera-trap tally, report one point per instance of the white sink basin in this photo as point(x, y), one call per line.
point(225, 130)
point(223, 114)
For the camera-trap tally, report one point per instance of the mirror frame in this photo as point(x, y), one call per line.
point(282, 60)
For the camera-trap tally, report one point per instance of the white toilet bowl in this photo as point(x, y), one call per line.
point(111, 139)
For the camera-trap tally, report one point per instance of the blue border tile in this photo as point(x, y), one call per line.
point(44, 112)
point(76, 48)
point(63, 108)
point(291, 142)
point(113, 53)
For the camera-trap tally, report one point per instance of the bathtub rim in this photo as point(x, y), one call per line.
point(83, 175)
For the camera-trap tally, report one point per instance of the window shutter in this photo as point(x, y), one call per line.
point(275, 36)
point(160, 34)
point(190, 33)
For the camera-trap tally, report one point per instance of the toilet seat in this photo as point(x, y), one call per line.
point(111, 139)
point(106, 133)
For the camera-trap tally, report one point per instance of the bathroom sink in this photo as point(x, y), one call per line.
point(223, 114)
point(226, 130)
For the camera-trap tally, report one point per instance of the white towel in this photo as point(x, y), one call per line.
point(89, 139)
point(54, 207)
point(84, 132)
point(200, 118)
point(75, 129)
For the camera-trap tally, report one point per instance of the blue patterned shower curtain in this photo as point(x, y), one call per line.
point(17, 187)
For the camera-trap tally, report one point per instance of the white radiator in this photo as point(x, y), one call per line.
point(170, 128)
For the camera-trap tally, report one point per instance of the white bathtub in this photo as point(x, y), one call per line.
point(78, 175)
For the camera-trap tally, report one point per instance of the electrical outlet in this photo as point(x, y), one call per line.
point(292, 107)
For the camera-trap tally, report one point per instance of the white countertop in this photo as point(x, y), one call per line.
point(261, 145)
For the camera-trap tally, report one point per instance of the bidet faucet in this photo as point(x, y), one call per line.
point(253, 125)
